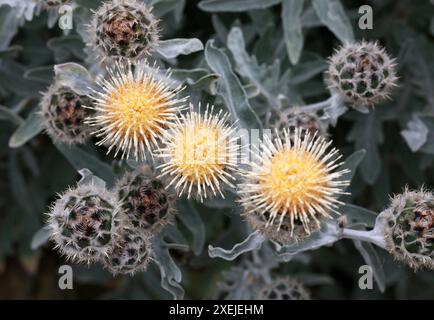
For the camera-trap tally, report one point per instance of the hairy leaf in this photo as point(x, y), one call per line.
point(292, 27)
point(332, 14)
point(27, 130)
point(230, 87)
point(172, 48)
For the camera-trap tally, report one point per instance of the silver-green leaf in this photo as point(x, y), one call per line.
point(230, 88)
point(372, 259)
point(416, 134)
point(40, 238)
point(332, 14)
point(356, 215)
point(172, 48)
point(191, 219)
point(253, 242)
point(292, 27)
point(29, 129)
point(74, 76)
point(351, 163)
point(248, 66)
point(171, 275)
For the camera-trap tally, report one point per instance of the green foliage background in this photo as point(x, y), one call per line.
point(286, 46)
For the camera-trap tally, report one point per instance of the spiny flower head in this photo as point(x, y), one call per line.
point(63, 112)
point(409, 228)
point(283, 288)
point(133, 108)
point(147, 204)
point(362, 72)
point(131, 253)
point(123, 29)
point(199, 153)
point(84, 222)
point(294, 182)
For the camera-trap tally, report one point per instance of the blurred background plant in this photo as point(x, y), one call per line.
point(265, 56)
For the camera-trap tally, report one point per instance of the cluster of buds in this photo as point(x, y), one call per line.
point(90, 223)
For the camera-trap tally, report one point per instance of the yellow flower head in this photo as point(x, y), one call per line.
point(294, 180)
point(199, 153)
point(134, 107)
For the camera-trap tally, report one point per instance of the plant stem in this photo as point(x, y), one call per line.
point(318, 106)
point(372, 236)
